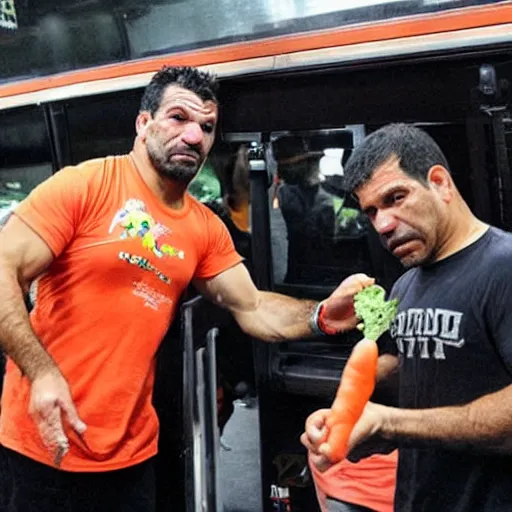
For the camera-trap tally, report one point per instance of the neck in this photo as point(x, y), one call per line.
point(464, 229)
point(170, 192)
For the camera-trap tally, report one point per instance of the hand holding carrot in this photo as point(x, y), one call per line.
point(330, 435)
point(314, 436)
point(354, 392)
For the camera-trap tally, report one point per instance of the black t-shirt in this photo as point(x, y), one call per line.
point(454, 337)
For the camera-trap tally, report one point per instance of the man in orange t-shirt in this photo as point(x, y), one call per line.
point(113, 243)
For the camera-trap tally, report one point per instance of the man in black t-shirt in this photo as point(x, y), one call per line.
point(453, 332)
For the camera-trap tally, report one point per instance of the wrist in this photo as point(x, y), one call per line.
point(388, 422)
point(43, 371)
point(317, 322)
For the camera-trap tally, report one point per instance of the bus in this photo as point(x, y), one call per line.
point(321, 72)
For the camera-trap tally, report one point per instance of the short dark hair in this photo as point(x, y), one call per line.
point(203, 84)
point(415, 150)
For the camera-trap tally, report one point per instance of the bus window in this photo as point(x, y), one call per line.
point(45, 39)
point(48, 37)
point(25, 156)
point(319, 234)
point(102, 125)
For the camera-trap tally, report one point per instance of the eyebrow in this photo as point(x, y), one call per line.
point(385, 193)
point(392, 189)
point(212, 115)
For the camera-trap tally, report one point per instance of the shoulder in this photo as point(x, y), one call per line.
point(199, 209)
point(207, 213)
point(99, 168)
point(84, 172)
point(498, 244)
point(96, 179)
point(205, 222)
point(494, 255)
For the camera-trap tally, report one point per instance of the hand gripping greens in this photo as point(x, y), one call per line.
point(359, 375)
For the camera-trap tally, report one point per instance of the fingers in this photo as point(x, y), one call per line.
point(317, 419)
point(304, 439)
point(71, 416)
point(355, 283)
point(316, 429)
point(315, 436)
point(321, 462)
point(49, 423)
point(336, 447)
point(50, 405)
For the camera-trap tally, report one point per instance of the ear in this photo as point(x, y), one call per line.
point(440, 180)
point(142, 122)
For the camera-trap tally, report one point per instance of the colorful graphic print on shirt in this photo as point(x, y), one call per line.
point(136, 222)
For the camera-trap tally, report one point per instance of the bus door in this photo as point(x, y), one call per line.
point(492, 103)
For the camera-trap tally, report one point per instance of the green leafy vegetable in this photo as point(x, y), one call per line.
point(375, 312)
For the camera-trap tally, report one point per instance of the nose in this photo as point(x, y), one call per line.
point(193, 134)
point(384, 222)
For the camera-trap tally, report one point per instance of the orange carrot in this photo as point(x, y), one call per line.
point(355, 389)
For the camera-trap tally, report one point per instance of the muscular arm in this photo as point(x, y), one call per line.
point(484, 424)
point(23, 256)
point(265, 315)
point(273, 317)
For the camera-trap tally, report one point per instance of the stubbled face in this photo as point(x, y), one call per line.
point(409, 216)
point(179, 136)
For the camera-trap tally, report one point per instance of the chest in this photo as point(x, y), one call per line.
point(127, 240)
point(446, 346)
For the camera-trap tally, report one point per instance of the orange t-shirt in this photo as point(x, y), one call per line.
point(370, 482)
point(122, 261)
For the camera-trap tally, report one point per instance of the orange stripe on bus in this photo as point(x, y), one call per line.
point(459, 19)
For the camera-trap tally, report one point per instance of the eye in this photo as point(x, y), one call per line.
point(370, 212)
point(394, 198)
point(207, 127)
point(178, 117)
point(398, 197)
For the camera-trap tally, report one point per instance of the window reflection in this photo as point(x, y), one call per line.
point(319, 233)
point(25, 157)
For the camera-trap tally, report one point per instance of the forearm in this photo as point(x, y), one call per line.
point(277, 318)
point(482, 425)
point(274, 317)
point(17, 339)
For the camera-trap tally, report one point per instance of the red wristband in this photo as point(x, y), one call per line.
point(321, 324)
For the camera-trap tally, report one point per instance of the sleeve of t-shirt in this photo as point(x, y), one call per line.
point(220, 253)
point(55, 207)
point(498, 311)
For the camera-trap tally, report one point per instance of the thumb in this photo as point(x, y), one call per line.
point(71, 415)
